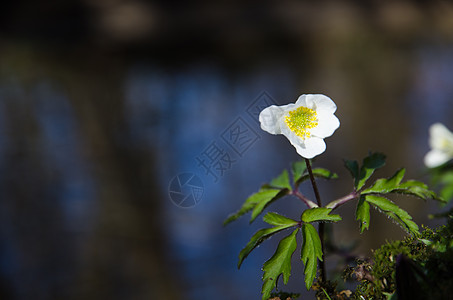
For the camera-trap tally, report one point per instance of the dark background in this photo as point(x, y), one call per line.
point(103, 103)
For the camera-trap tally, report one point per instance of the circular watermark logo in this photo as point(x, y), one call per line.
point(186, 190)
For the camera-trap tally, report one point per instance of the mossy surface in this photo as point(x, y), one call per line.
point(413, 268)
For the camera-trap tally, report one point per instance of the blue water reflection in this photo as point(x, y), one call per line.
point(41, 160)
point(195, 108)
point(176, 116)
point(61, 151)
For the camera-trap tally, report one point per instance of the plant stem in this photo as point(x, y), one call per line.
point(304, 199)
point(313, 182)
point(322, 268)
point(351, 196)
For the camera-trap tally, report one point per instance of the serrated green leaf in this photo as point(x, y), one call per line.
point(282, 181)
point(279, 264)
point(418, 189)
point(393, 211)
point(264, 194)
point(266, 186)
point(278, 220)
point(363, 214)
point(299, 168)
point(260, 206)
point(419, 192)
point(407, 224)
point(319, 173)
point(370, 164)
point(411, 183)
point(384, 186)
point(394, 185)
point(386, 205)
point(259, 237)
point(324, 173)
point(353, 167)
point(319, 214)
point(311, 252)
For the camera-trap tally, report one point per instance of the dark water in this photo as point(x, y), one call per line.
point(88, 153)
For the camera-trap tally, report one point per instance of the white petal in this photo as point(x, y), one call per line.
point(292, 137)
point(269, 119)
point(287, 108)
point(307, 148)
point(327, 124)
point(302, 101)
point(311, 147)
point(435, 158)
point(317, 102)
point(440, 137)
point(322, 103)
point(271, 116)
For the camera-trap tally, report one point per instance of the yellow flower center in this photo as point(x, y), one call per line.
point(301, 120)
point(446, 145)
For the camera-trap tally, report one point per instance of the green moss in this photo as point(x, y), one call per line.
point(413, 268)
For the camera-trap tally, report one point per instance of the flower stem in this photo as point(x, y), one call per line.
point(304, 199)
point(322, 268)
point(351, 196)
point(313, 183)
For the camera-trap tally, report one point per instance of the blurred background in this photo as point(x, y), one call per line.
point(128, 133)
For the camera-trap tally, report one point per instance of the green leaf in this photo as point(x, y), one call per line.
point(278, 220)
point(279, 264)
point(282, 181)
point(319, 214)
point(264, 195)
point(353, 167)
point(394, 185)
point(320, 173)
point(324, 173)
point(259, 237)
point(370, 164)
point(393, 211)
point(299, 168)
point(384, 186)
point(300, 173)
point(311, 252)
point(363, 214)
point(260, 206)
point(418, 189)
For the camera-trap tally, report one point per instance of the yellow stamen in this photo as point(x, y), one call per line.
point(301, 120)
point(446, 145)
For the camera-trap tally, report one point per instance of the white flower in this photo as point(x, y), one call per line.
point(305, 123)
point(441, 143)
